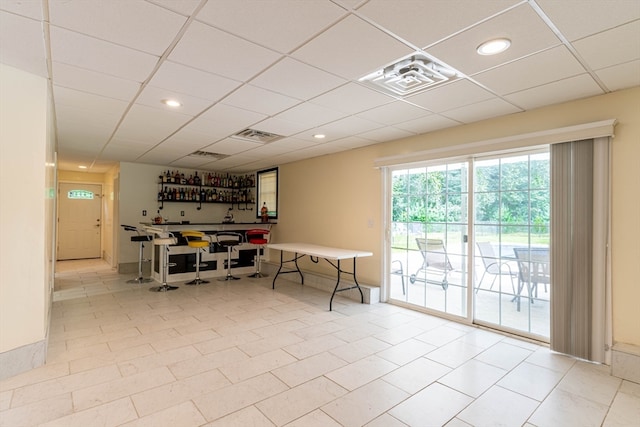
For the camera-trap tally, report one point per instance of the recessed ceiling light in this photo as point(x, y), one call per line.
point(171, 103)
point(82, 167)
point(495, 46)
point(319, 136)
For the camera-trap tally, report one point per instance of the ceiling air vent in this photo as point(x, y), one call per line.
point(409, 75)
point(256, 136)
point(209, 155)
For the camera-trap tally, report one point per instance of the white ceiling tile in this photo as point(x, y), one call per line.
point(545, 67)
point(225, 119)
point(191, 140)
point(262, 22)
point(425, 22)
point(230, 146)
point(309, 115)
point(621, 76)
point(394, 112)
point(280, 127)
point(88, 104)
point(340, 129)
point(21, 44)
point(135, 127)
point(564, 90)
point(427, 124)
point(526, 30)
point(387, 133)
point(613, 47)
point(451, 95)
point(183, 7)
point(152, 97)
point(85, 52)
point(137, 24)
point(271, 149)
point(29, 9)
point(288, 145)
point(260, 100)
point(215, 51)
point(126, 151)
point(339, 50)
point(183, 79)
point(94, 82)
point(576, 18)
point(481, 110)
point(352, 98)
point(352, 142)
point(293, 78)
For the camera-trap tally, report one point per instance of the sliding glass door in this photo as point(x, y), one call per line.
point(505, 282)
point(429, 237)
point(511, 224)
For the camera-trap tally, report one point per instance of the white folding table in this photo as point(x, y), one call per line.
point(315, 252)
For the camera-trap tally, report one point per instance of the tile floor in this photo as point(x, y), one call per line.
point(241, 354)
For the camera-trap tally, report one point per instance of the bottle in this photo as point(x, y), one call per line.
point(264, 212)
point(196, 179)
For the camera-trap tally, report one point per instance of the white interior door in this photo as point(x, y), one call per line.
point(79, 216)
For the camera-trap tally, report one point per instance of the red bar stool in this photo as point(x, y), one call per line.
point(260, 237)
point(195, 239)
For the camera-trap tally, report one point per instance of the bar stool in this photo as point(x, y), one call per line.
point(260, 237)
point(163, 253)
point(228, 239)
point(195, 240)
point(140, 237)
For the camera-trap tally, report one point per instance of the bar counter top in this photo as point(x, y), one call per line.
point(151, 224)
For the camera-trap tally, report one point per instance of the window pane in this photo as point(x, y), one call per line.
point(268, 192)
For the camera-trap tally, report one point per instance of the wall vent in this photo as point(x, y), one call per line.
point(256, 136)
point(209, 155)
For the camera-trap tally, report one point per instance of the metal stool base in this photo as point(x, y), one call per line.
point(258, 275)
point(140, 280)
point(163, 288)
point(228, 277)
point(197, 281)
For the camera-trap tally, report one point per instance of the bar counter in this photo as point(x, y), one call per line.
point(215, 257)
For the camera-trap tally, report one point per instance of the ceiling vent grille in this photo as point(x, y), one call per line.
point(257, 136)
point(209, 155)
point(409, 75)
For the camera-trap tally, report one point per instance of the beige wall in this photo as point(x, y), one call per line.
point(336, 200)
point(25, 209)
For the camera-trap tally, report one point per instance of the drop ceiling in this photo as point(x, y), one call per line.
point(292, 68)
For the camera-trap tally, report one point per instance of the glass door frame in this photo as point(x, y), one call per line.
point(471, 253)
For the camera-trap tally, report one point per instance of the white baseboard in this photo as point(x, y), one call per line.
point(625, 362)
point(22, 359)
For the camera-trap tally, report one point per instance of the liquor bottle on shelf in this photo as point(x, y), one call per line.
point(264, 212)
point(196, 179)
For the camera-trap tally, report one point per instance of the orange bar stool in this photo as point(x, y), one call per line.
point(163, 253)
point(228, 240)
point(140, 238)
point(195, 239)
point(259, 237)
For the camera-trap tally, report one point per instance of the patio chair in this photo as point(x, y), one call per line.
point(435, 259)
point(534, 269)
point(398, 270)
point(494, 266)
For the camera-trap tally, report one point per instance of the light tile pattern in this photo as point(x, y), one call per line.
point(239, 354)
